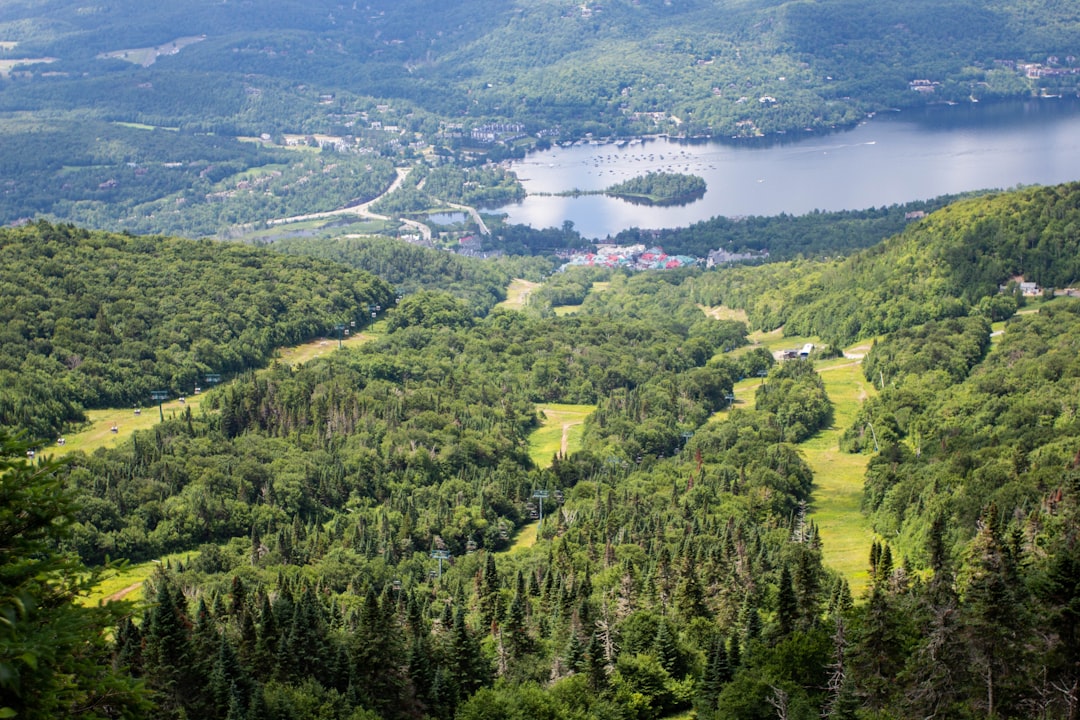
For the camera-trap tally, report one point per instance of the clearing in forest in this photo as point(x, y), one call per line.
point(559, 432)
point(517, 294)
point(127, 584)
point(836, 506)
point(98, 432)
point(722, 312)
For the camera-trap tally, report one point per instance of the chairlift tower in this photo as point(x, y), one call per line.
point(160, 396)
point(540, 495)
point(440, 555)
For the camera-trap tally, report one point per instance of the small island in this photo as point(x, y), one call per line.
point(660, 188)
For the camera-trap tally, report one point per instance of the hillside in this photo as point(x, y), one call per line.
point(940, 267)
point(96, 320)
point(200, 116)
point(345, 517)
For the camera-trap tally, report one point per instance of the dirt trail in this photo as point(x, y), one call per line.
point(121, 594)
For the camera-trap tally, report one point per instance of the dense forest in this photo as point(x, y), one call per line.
point(93, 319)
point(942, 266)
point(359, 533)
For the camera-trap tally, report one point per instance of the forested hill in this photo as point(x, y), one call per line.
point(196, 117)
point(93, 319)
point(946, 265)
point(358, 533)
point(594, 66)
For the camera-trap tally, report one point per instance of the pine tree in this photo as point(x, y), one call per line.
point(574, 657)
point(489, 592)
point(666, 649)
point(595, 666)
point(467, 670)
point(304, 645)
point(717, 674)
point(993, 612)
point(168, 660)
point(54, 659)
point(128, 655)
point(264, 661)
point(227, 681)
point(786, 604)
point(689, 597)
point(375, 678)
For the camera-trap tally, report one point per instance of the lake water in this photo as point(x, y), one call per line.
point(892, 158)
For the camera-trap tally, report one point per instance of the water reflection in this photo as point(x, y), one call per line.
point(893, 158)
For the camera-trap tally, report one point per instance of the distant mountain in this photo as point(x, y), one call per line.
point(704, 65)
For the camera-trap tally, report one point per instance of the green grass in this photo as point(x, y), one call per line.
point(560, 431)
point(517, 294)
point(144, 126)
point(525, 537)
point(838, 477)
point(6, 66)
point(128, 584)
point(309, 351)
point(722, 312)
point(98, 431)
point(775, 340)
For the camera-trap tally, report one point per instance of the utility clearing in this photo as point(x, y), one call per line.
point(107, 428)
point(836, 506)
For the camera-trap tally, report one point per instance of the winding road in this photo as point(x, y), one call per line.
point(364, 210)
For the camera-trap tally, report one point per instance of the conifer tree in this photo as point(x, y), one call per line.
point(54, 656)
point(717, 674)
point(689, 597)
point(467, 669)
point(168, 659)
point(993, 612)
point(595, 666)
point(228, 684)
point(489, 592)
point(786, 604)
point(666, 649)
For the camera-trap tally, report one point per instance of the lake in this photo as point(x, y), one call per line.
point(891, 158)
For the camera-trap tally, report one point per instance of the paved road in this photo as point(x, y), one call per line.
point(361, 210)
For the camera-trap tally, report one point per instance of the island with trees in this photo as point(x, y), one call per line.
point(660, 188)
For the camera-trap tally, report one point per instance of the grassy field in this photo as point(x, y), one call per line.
point(722, 312)
point(98, 431)
point(775, 341)
point(6, 66)
point(517, 294)
point(838, 477)
point(128, 585)
point(597, 287)
point(559, 432)
point(309, 351)
point(525, 537)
